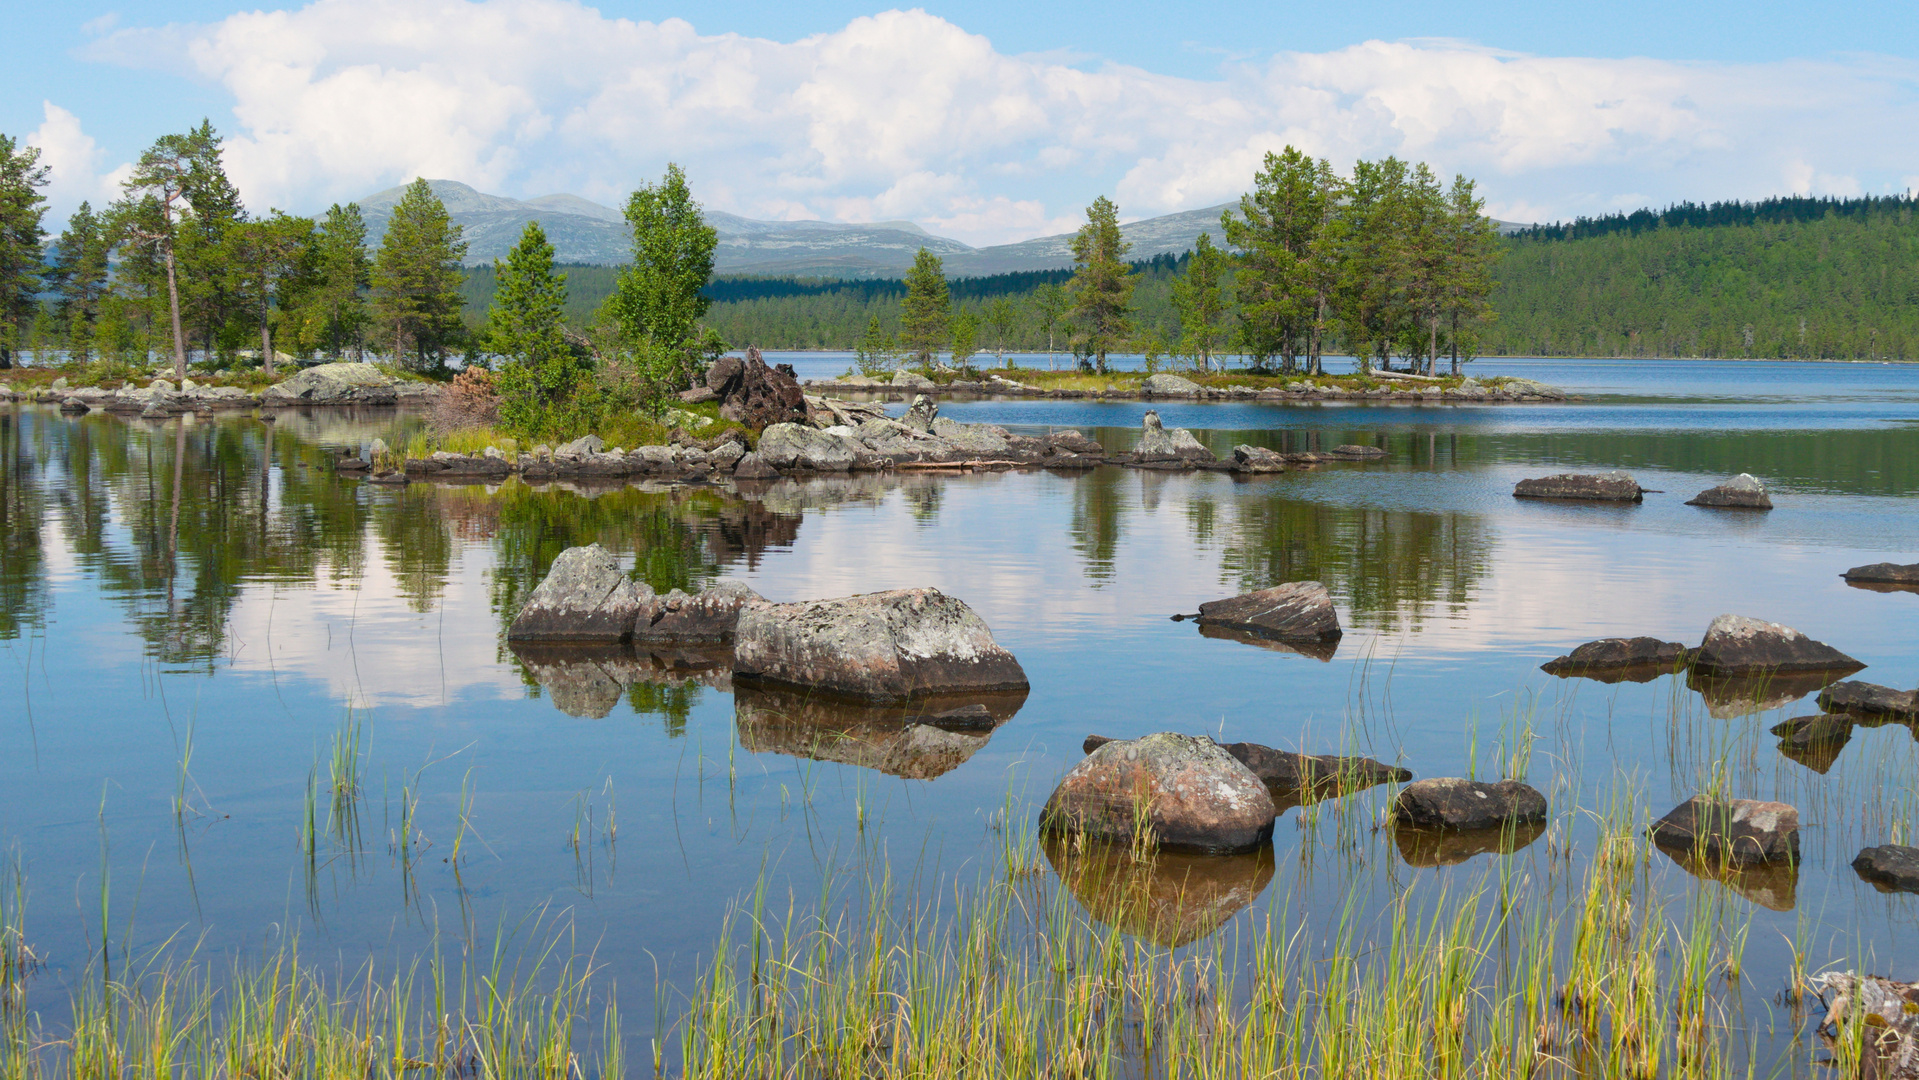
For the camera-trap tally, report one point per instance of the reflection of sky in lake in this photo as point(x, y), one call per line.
point(1452, 592)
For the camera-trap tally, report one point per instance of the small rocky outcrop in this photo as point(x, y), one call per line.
point(1742, 492)
point(1888, 1048)
point(1468, 805)
point(586, 597)
point(1159, 445)
point(1735, 832)
point(1165, 385)
point(912, 380)
point(1890, 867)
point(920, 414)
point(1737, 645)
point(1639, 659)
point(334, 384)
point(1605, 487)
point(1257, 459)
point(1295, 611)
point(1183, 792)
point(1883, 574)
point(884, 646)
point(708, 617)
point(1869, 699)
point(754, 394)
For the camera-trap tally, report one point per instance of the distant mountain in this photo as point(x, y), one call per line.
point(581, 231)
point(1168, 235)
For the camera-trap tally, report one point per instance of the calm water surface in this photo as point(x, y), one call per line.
point(190, 613)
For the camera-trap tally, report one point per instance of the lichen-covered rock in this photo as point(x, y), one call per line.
point(920, 415)
point(796, 446)
point(1257, 459)
point(581, 448)
point(1605, 487)
point(1295, 611)
point(973, 440)
point(708, 617)
point(912, 380)
point(1890, 867)
point(1733, 831)
point(1736, 645)
point(586, 597)
point(1467, 805)
point(1159, 444)
point(884, 646)
point(1073, 441)
point(1180, 791)
point(1627, 656)
point(1165, 385)
point(334, 384)
point(1742, 492)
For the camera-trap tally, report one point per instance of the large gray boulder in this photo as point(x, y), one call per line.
point(586, 597)
point(884, 646)
point(1295, 611)
point(1737, 645)
point(912, 380)
point(920, 415)
point(1165, 385)
point(1159, 445)
point(796, 446)
point(1742, 492)
point(1890, 868)
point(974, 440)
point(752, 466)
point(1174, 791)
point(1468, 805)
point(708, 617)
point(1605, 487)
point(1735, 832)
point(1639, 659)
point(334, 384)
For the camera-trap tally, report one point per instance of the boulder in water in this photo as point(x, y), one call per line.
point(1623, 658)
point(1160, 445)
point(1468, 805)
point(1581, 487)
point(1295, 611)
point(1742, 492)
point(1890, 867)
point(1166, 790)
point(1737, 645)
point(586, 597)
point(884, 646)
point(1869, 699)
point(708, 617)
point(1735, 832)
point(1257, 459)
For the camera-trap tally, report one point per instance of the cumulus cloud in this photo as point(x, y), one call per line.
point(903, 114)
point(73, 159)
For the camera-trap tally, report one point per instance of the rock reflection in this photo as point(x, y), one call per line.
point(1315, 650)
point(1167, 898)
point(1772, 885)
point(1730, 697)
point(918, 740)
point(588, 682)
point(1426, 848)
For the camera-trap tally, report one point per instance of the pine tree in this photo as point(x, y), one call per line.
point(926, 312)
point(276, 259)
point(336, 306)
point(544, 385)
point(1276, 229)
point(148, 217)
point(21, 258)
point(965, 338)
point(416, 279)
point(1199, 299)
point(659, 304)
point(1425, 258)
point(1471, 243)
point(1102, 284)
point(876, 352)
point(79, 278)
point(1371, 310)
point(214, 281)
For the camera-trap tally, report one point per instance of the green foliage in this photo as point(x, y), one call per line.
point(1001, 317)
point(21, 207)
point(416, 280)
point(336, 314)
point(78, 276)
point(1202, 302)
point(1102, 286)
point(658, 305)
point(965, 338)
point(876, 353)
point(147, 218)
point(546, 388)
point(276, 261)
point(927, 309)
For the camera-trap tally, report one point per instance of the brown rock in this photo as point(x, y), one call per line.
point(1890, 868)
point(1883, 573)
point(1814, 741)
point(1868, 699)
point(1607, 487)
point(1295, 611)
point(1736, 645)
point(1731, 831)
point(1639, 659)
point(1178, 791)
point(1742, 492)
point(1468, 805)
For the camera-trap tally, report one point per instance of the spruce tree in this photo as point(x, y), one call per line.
point(658, 304)
point(79, 278)
point(337, 303)
point(965, 338)
point(1200, 300)
point(875, 353)
point(544, 386)
point(1102, 284)
point(416, 279)
point(1471, 243)
point(21, 257)
point(276, 259)
point(926, 312)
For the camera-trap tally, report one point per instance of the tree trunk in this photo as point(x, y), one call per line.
point(1432, 344)
point(266, 338)
point(173, 308)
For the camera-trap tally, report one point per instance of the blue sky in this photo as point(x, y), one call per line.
point(984, 121)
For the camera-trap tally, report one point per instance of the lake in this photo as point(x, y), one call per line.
point(193, 615)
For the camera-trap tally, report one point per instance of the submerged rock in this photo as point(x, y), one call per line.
point(586, 597)
point(1732, 831)
point(1736, 645)
point(1159, 445)
point(1639, 659)
point(1295, 611)
point(1180, 791)
point(709, 617)
point(1468, 805)
point(1868, 699)
point(1606, 487)
point(1742, 492)
point(1170, 898)
point(1352, 452)
point(1890, 868)
point(882, 646)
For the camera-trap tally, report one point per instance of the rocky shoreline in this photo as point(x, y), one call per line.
point(1389, 387)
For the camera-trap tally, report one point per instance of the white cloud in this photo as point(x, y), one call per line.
point(72, 158)
point(903, 114)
